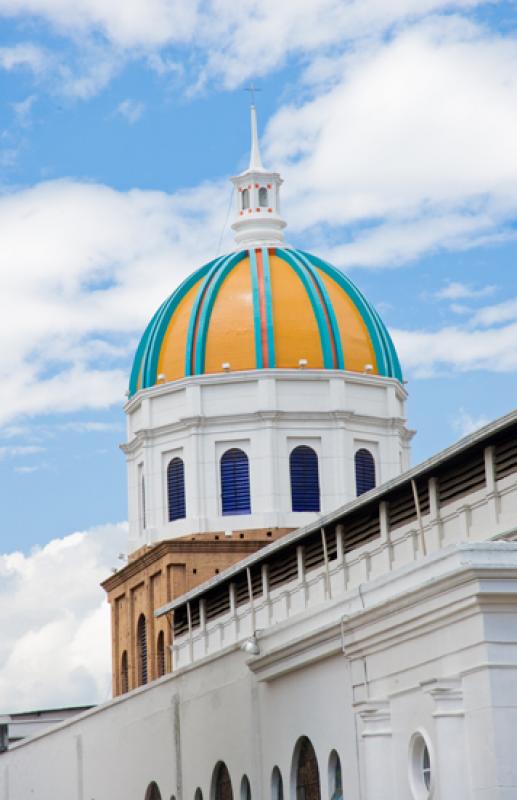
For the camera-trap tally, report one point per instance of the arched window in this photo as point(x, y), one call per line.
point(198, 794)
point(307, 773)
point(124, 673)
point(141, 646)
point(335, 777)
point(153, 793)
point(221, 783)
point(364, 471)
point(176, 489)
point(305, 482)
point(245, 199)
point(245, 788)
point(263, 197)
point(277, 785)
point(160, 655)
point(235, 482)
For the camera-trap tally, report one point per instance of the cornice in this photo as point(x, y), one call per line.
point(180, 547)
point(251, 376)
point(392, 621)
point(260, 416)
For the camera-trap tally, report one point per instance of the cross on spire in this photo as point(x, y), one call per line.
point(252, 89)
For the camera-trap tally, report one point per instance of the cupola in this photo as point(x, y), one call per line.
point(257, 200)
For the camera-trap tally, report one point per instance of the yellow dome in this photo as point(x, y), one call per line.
point(263, 308)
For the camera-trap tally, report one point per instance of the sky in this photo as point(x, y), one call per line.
point(394, 126)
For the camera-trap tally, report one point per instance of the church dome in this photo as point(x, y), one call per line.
point(260, 308)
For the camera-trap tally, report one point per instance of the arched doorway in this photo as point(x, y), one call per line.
point(221, 783)
point(306, 771)
point(153, 793)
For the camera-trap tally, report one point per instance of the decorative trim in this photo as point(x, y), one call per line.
point(290, 256)
point(269, 307)
point(212, 289)
point(257, 326)
point(339, 362)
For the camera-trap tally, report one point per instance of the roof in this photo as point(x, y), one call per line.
point(261, 308)
point(463, 449)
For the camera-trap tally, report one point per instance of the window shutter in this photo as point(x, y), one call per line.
point(176, 489)
point(124, 673)
point(235, 482)
point(305, 482)
point(141, 643)
point(160, 655)
point(364, 471)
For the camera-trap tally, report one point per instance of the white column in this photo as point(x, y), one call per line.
point(377, 751)
point(449, 770)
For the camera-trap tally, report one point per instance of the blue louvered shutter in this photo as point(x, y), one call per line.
point(305, 482)
point(364, 471)
point(176, 489)
point(235, 482)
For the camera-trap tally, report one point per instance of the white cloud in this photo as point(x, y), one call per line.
point(455, 290)
point(90, 427)
point(29, 469)
point(87, 267)
point(261, 34)
point(465, 423)
point(394, 144)
point(55, 643)
point(23, 110)
point(25, 55)
point(131, 110)
point(12, 451)
point(497, 313)
point(455, 349)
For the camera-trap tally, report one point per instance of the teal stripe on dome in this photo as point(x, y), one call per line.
point(160, 327)
point(330, 308)
point(300, 269)
point(259, 358)
point(269, 307)
point(381, 340)
point(140, 352)
point(206, 310)
point(189, 350)
point(393, 356)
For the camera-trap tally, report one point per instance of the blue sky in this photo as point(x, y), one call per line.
point(395, 127)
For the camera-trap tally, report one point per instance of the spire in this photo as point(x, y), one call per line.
point(257, 221)
point(255, 159)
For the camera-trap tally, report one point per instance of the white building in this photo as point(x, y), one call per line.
point(371, 652)
point(394, 658)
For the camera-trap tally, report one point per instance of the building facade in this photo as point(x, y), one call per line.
point(374, 657)
point(265, 392)
point(302, 615)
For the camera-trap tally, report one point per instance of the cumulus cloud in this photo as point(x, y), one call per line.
point(262, 34)
point(458, 349)
point(228, 42)
point(393, 144)
point(55, 644)
point(87, 267)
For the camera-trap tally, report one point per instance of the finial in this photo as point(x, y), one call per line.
point(255, 159)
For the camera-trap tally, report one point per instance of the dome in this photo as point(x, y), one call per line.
point(262, 308)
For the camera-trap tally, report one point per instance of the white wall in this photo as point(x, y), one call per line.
point(266, 413)
point(440, 658)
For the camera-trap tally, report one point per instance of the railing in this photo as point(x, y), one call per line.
point(466, 499)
